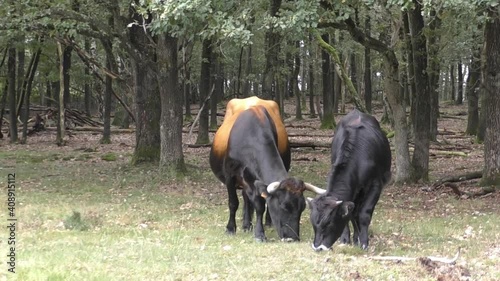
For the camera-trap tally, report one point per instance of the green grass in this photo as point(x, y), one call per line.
point(86, 220)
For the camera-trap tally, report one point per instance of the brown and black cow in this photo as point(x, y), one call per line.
point(361, 167)
point(251, 151)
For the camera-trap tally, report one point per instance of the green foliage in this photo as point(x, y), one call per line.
point(110, 156)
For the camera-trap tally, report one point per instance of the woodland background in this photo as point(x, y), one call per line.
point(144, 63)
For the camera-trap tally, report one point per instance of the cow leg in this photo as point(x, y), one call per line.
point(345, 238)
point(247, 212)
point(260, 207)
point(233, 205)
point(364, 216)
point(269, 221)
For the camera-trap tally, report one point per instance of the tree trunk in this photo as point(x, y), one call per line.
point(403, 167)
point(172, 157)
point(295, 82)
point(311, 86)
point(218, 88)
point(473, 81)
point(420, 159)
point(11, 80)
point(21, 57)
point(110, 64)
point(67, 68)
point(27, 86)
point(452, 82)
point(147, 97)
point(240, 68)
point(368, 70)
point(3, 103)
point(86, 87)
point(328, 121)
point(206, 64)
point(271, 54)
point(460, 92)
point(61, 126)
point(353, 70)
point(187, 53)
point(248, 72)
point(433, 70)
point(410, 67)
point(491, 85)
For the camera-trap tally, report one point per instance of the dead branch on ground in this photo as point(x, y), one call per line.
point(459, 178)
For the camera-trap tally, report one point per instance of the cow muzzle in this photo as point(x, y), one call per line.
point(320, 248)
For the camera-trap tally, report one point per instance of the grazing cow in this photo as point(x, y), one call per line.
point(361, 167)
point(251, 151)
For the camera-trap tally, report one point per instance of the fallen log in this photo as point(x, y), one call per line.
point(459, 178)
point(310, 135)
point(95, 129)
point(312, 145)
point(199, 145)
point(421, 259)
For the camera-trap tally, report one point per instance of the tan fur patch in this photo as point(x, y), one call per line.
point(234, 108)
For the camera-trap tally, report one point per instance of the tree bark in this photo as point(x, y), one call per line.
point(453, 93)
point(460, 80)
point(21, 57)
point(421, 126)
point(311, 86)
point(410, 67)
point(61, 126)
point(248, 72)
point(110, 64)
point(11, 80)
point(206, 64)
point(368, 70)
point(218, 86)
point(473, 81)
point(433, 70)
point(271, 54)
point(147, 97)
point(172, 157)
point(67, 68)
point(27, 86)
point(87, 91)
point(187, 53)
point(295, 82)
point(328, 121)
point(491, 85)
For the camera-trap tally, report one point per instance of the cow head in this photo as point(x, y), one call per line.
point(285, 202)
point(329, 217)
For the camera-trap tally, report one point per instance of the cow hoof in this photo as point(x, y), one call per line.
point(260, 239)
point(247, 228)
point(230, 232)
point(364, 247)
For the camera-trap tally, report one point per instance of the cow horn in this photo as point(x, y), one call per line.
point(314, 189)
point(271, 188)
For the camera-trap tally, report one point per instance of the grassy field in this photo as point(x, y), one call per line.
point(81, 217)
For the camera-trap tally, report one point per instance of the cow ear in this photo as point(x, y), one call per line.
point(347, 208)
point(261, 189)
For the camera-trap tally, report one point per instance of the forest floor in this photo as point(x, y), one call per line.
point(84, 212)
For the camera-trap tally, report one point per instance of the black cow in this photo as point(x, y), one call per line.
point(361, 167)
point(251, 151)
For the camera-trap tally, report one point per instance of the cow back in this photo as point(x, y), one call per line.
point(360, 154)
point(234, 108)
